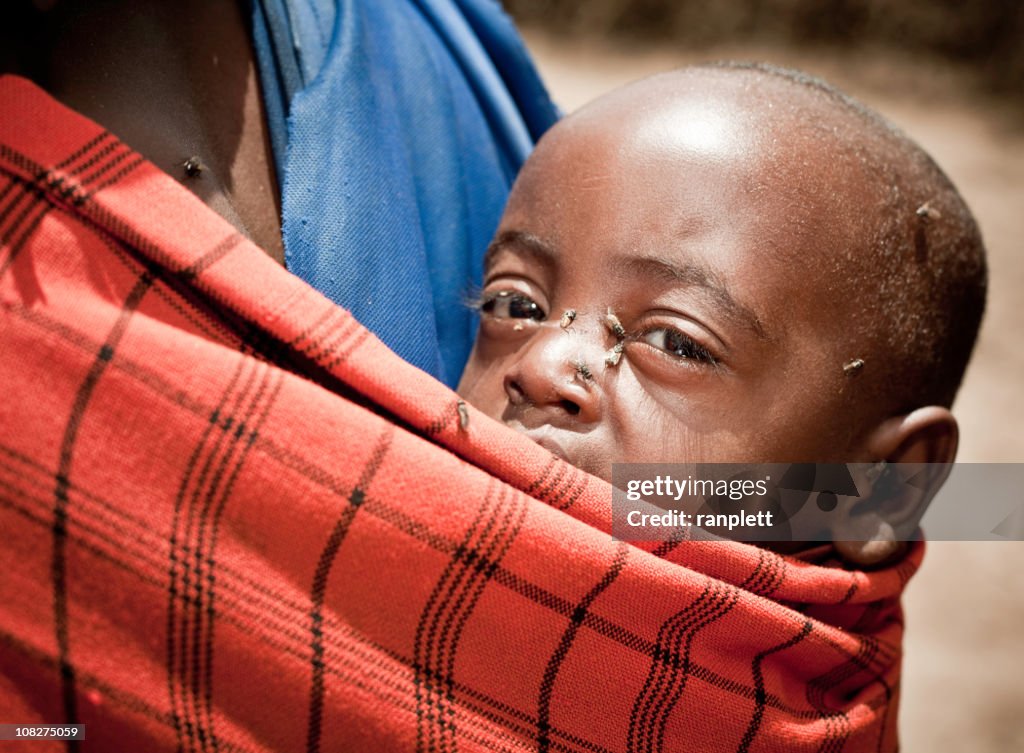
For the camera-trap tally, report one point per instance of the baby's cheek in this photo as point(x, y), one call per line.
point(652, 432)
point(482, 383)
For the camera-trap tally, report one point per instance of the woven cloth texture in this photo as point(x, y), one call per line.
point(234, 521)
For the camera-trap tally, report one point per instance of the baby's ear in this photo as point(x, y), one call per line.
point(916, 453)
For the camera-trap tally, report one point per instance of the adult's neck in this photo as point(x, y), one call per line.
point(173, 80)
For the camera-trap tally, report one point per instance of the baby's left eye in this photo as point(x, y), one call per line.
point(675, 343)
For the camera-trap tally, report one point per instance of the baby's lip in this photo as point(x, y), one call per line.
point(549, 444)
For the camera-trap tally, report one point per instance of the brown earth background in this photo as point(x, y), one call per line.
point(952, 76)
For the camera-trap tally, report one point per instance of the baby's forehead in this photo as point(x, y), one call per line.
point(772, 131)
point(678, 144)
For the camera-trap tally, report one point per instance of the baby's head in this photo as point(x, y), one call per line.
point(790, 278)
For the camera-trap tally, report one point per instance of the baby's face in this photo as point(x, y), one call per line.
point(712, 241)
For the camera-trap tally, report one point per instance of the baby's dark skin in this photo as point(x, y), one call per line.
point(709, 214)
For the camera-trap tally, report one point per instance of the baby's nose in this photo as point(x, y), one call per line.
point(558, 374)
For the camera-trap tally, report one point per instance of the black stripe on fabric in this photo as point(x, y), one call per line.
point(447, 415)
point(128, 168)
point(542, 477)
point(192, 576)
point(554, 665)
point(232, 426)
point(343, 354)
point(573, 490)
point(453, 599)
point(17, 244)
point(97, 157)
point(23, 191)
point(850, 592)
point(12, 183)
point(554, 481)
point(769, 574)
point(324, 345)
point(426, 692)
point(671, 667)
point(481, 571)
point(99, 172)
point(817, 688)
point(677, 537)
point(864, 660)
point(77, 155)
point(663, 675)
point(204, 320)
point(329, 313)
point(754, 579)
point(214, 255)
point(60, 509)
point(755, 721)
point(553, 487)
point(218, 495)
point(318, 592)
point(36, 201)
point(114, 695)
point(178, 592)
point(16, 158)
point(16, 196)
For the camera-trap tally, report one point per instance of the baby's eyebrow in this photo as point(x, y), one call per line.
point(693, 274)
point(525, 243)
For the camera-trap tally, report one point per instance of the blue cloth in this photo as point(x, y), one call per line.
point(397, 127)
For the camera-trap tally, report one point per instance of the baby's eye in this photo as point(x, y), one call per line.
point(676, 343)
point(508, 304)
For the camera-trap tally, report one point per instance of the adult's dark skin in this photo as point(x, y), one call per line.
point(172, 80)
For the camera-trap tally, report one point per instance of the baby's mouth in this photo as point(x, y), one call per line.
point(542, 435)
point(549, 444)
point(567, 446)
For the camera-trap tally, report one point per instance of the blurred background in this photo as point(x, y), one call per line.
point(951, 74)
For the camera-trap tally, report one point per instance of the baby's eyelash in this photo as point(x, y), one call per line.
point(477, 299)
point(473, 298)
point(510, 304)
point(676, 344)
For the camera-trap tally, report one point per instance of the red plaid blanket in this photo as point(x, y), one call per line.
point(234, 521)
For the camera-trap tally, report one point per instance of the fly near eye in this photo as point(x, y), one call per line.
point(509, 305)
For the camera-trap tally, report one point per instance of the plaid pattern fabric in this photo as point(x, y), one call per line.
point(234, 521)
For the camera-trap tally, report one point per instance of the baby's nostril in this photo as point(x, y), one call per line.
point(515, 392)
point(570, 407)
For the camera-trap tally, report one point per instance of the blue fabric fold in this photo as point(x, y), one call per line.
point(397, 128)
